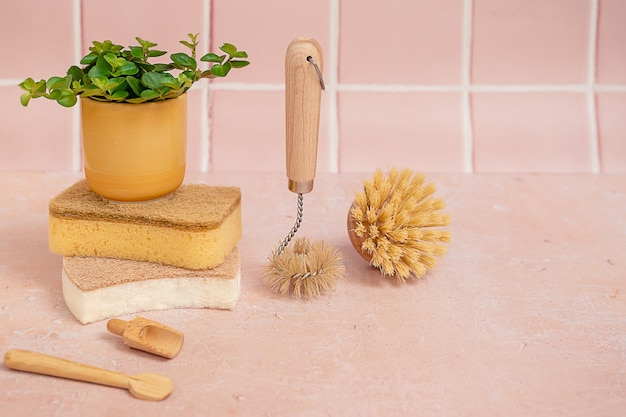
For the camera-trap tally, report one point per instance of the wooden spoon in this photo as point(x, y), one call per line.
point(147, 386)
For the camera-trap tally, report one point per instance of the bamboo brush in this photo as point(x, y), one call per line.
point(304, 269)
point(397, 225)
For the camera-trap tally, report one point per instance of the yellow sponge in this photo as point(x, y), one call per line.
point(195, 227)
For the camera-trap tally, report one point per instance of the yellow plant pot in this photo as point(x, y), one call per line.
point(134, 152)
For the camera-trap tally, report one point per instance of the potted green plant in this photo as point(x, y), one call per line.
point(133, 112)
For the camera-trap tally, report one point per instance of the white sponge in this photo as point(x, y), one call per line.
point(99, 288)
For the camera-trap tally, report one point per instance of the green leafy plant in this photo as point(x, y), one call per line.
point(115, 74)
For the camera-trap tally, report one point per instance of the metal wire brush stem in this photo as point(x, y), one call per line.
point(295, 227)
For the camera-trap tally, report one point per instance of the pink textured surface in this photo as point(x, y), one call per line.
point(524, 316)
point(400, 50)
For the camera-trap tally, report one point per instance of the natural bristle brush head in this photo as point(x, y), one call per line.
point(397, 224)
point(305, 269)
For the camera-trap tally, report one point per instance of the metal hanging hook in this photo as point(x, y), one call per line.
point(317, 69)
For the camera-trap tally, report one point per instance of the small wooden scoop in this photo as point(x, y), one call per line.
point(149, 336)
point(152, 387)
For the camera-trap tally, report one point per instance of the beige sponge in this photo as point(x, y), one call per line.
point(195, 227)
point(99, 288)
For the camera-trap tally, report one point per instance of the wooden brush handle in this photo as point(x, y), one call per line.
point(39, 363)
point(303, 93)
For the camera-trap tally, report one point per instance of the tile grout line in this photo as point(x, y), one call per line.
point(205, 102)
point(76, 157)
point(333, 111)
point(466, 68)
point(413, 88)
point(592, 113)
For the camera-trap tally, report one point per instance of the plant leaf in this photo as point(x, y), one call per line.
point(95, 72)
point(119, 95)
point(25, 98)
point(56, 83)
point(212, 57)
point(145, 66)
point(144, 43)
point(240, 54)
point(101, 69)
point(54, 95)
point(149, 94)
point(153, 53)
point(152, 80)
point(116, 84)
point(92, 91)
point(100, 82)
point(67, 99)
point(28, 84)
point(89, 59)
point(136, 51)
point(162, 67)
point(129, 68)
point(229, 48)
point(170, 81)
point(76, 73)
point(135, 85)
point(239, 64)
point(114, 61)
point(221, 70)
point(183, 60)
point(39, 87)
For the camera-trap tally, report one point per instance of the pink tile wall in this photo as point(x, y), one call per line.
point(446, 86)
point(547, 132)
point(404, 42)
point(530, 41)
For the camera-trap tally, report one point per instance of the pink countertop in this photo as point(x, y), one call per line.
point(524, 316)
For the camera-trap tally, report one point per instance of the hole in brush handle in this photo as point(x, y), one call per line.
point(317, 69)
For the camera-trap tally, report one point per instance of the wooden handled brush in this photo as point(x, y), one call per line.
point(306, 269)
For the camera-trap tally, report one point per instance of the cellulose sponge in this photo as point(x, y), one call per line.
point(99, 288)
point(194, 227)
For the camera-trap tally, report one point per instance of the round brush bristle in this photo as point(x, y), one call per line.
point(305, 269)
point(397, 225)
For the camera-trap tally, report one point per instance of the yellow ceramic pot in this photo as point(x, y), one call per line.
point(134, 152)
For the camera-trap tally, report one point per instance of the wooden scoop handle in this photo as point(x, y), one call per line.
point(39, 363)
point(152, 387)
point(303, 93)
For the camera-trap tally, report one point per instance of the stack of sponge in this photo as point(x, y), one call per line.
point(119, 258)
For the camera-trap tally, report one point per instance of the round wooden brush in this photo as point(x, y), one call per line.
point(396, 224)
point(304, 269)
